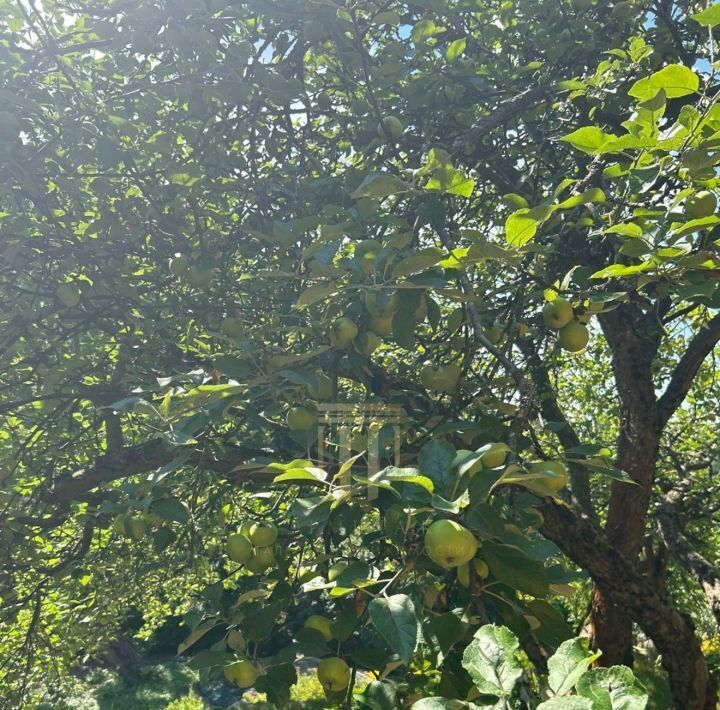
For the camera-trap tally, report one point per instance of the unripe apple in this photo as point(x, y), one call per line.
point(232, 327)
point(241, 673)
point(381, 304)
point(367, 343)
point(622, 11)
point(557, 313)
point(239, 548)
point(495, 333)
point(494, 455)
point(263, 557)
point(701, 204)
point(321, 624)
point(68, 294)
point(135, 527)
point(447, 378)
point(449, 544)
point(390, 125)
point(381, 325)
point(333, 674)
point(324, 101)
point(300, 418)
point(573, 337)
point(557, 482)
point(263, 534)
point(343, 332)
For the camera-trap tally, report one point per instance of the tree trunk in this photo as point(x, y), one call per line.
point(633, 341)
point(672, 633)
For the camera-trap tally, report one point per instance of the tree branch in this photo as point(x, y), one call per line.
point(672, 633)
point(682, 378)
point(132, 460)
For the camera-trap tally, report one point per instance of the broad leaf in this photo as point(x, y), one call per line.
point(396, 621)
point(568, 664)
point(491, 660)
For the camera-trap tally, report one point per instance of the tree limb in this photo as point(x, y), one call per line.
point(687, 368)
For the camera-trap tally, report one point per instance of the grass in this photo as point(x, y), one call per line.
point(166, 686)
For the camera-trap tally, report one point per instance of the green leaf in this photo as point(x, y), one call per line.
point(419, 261)
point(396, 621)
point(614, 688)
point(708, 17)
point(435, 461)
point(380, 185)
point(513, 567)
point(491, 660)
point(300, 475)
point(407, 475)
point(593, 195)
point(170, 509)
point(617, 271)
point(377, 695)
point(456, 48)
point(444, 177)
point(197, 634)
point(675, 80)
point(568, 664)
point(437, 703)
point(315, 294)
point(588, 139)
point(522, 225)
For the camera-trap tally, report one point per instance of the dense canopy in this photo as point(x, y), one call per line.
point(500, 215)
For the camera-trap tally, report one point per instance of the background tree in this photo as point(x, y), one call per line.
point(216, 213)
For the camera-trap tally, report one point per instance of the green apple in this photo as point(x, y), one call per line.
point(381, 303)
point(622, 11)
point(701, 204)
point(241, 673)
point(555, 483)
point(324, 101)
point(68, 294)
point(381, 325)
point(179, 265)
point(557, 313)
point(495, 333)
point(263, 534)
point(135, 527)
point(343, 332)
point(300, 418)
point(262, 559)
point(449, 544)
point(333, 674)
point(494, 455)
point(367, 343)
point(447, 378)
point(390, 125)
point(239, 548)
point(427, 376)
point(321, 624)
point(232, 327)
point(573, 337)
point(463, 575)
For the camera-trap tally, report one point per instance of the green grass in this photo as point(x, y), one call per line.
point(165, 686)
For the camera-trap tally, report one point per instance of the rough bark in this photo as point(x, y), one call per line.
point(633, 340)
point(672, 632)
